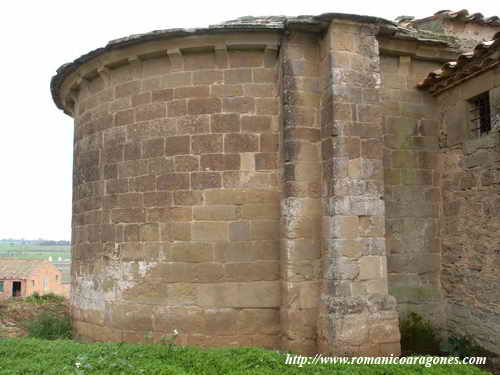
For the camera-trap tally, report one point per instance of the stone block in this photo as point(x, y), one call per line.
point(150, 112)
point(259, 321)
point(259, 294)
point(181, 294)
point(149, 232)
point(177, 108)
point(179, 145)
point(370, 267)
point(371, 226)
point(256, 124)
point(179, 231)
point(206, 144)
point(191, 252)
point(188, 198)
point(130, 316)
point(238, 104)
point(265, 230)
point(256, 211)
point(206, 180)
point(180, 213)
point(127, 89)
point(218, 295)
point(239, 231)
point(191, 92)
point(237, 76)
point(124, 117)
point(193, 124)
point(143, 184)
point(237, 143)
point(153, 147)
point(127, 215)
point(227, 90)
point(341, 268)
point(173, 181)
point(176, 79)
point(206, 77)
point(186, 163)
point(210, 231)
point(182, 318)
point(164, 95)
point(204, 106)
point(266, 161)
point(344, 227)
point(215, 213)
point(220, 162)
point(155, 199)
point(264, 75)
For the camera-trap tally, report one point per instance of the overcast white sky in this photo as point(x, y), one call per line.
point(38, 36)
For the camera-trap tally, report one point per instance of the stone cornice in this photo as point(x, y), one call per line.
point(118, 51)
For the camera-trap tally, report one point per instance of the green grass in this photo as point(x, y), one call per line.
point(37, 357)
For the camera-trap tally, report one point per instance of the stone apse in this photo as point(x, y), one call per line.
point(243, 183)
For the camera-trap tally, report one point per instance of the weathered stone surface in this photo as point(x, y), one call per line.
point(272, 188)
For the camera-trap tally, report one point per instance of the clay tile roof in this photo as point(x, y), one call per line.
point(11, 268)
point(454, 16)
point(484, 56)
point(464, 16)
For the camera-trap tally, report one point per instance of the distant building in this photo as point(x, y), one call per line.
point(23, 277)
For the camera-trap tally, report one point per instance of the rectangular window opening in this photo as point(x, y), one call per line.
point(479, 114)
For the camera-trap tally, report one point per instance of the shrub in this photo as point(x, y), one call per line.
point(49, 326)
point(418, 336)
point(38, 299)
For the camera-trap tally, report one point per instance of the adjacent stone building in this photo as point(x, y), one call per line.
point(284, 182)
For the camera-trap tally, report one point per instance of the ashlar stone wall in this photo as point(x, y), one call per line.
point(471, 221)
point(231, 186)
point(357, 315)
point(176, 215)
point(412, 173)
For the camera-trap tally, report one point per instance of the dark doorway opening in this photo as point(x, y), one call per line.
point(16, 289)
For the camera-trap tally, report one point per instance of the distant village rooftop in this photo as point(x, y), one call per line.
point(11, 268)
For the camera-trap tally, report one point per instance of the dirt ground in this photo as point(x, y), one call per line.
point(15, 311)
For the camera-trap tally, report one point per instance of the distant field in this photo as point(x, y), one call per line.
point(35, 251)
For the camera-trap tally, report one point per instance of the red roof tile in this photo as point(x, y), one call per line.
point(458, 16)
point(12, 268)
point(464, 16)
point(484, 56)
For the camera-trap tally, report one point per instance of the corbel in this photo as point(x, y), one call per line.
point(221, 57)
point(176, 59)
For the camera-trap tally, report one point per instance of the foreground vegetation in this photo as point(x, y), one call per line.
point(42, 316)
point(34, 356)
point(48, 350)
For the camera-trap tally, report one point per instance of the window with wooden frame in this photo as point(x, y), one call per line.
point(480, 114)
